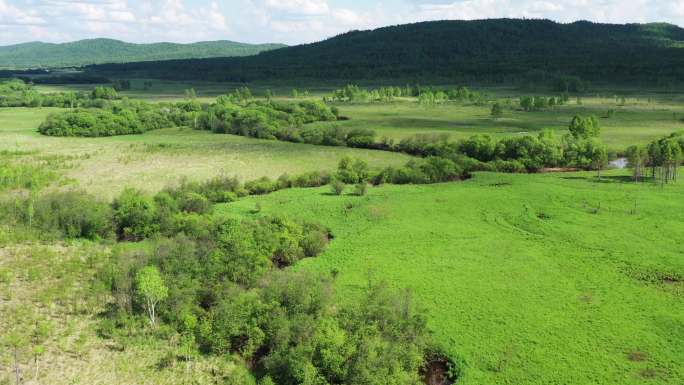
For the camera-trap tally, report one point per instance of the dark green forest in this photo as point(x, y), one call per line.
point(95, 51)
point(493, 51)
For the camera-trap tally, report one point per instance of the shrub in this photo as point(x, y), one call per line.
point(72, 214)
point(360, 189)
point(135, 216)
point(337, 187)
point(261, 186)
point(195, 203)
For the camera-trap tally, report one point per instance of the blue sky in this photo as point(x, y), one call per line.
point(287, 21)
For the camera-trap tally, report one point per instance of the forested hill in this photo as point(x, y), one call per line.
point(492, 50)
point(95, 51)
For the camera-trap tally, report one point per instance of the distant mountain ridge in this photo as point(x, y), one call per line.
point(492, 50)
point(98, 51)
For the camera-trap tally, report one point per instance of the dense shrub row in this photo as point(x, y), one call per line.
point(271, 120)
point(16, 93)
point(427, 95)
point(578, 149)
point(125, 118)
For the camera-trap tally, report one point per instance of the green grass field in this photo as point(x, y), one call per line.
point(638, 122)
point(527, 279)
point(104, 166)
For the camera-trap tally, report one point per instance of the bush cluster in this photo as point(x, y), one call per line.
point(222, 296)
point(272, 120)
point(121, 119)
point(16, 93)
point(580, 148)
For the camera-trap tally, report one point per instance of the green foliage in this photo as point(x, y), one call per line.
point(135, 215)
point(70, 214)
point(337, 187)
point(271, 120)
point(352, 171)
point(17, 93)
point(124, 119)
point(151, 289)
point(584, 127)
point(107, 93)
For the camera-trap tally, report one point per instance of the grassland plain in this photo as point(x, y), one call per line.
point(637, 122)
point(104, 166)
point(526, 279)
point(643, 117)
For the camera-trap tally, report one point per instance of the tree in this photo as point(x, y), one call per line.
point(637, 157)
point(598, 154)
point(527, 103)
point(497, 111)
point(584, 127)
point(134, 215)
point(151, 289)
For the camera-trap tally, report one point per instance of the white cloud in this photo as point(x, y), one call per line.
point(300, 7)
point(288, 21)
point(11, 15)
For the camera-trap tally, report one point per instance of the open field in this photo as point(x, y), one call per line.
point(104, 166)
point(527, 279)
point(638, 122)
point(645, 116)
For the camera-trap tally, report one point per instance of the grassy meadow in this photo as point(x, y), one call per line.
point(556, 278)
point(104, 166)
point(645, 115)
point(637, 122)
point(534, 279)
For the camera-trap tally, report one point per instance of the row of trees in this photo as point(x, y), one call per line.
point(580, 148)
point(663, 156)
point(537, 103)
point(425, 95)
point(16, 93)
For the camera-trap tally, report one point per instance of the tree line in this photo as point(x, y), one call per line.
point(17, 93)
point(663, 156)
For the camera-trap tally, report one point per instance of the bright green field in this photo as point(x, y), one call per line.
point(524, 278)
point(104, 166)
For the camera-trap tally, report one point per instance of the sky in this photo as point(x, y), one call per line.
point(287, 21)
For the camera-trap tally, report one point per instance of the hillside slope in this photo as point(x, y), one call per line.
point(492, 50)
point(94, 51)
